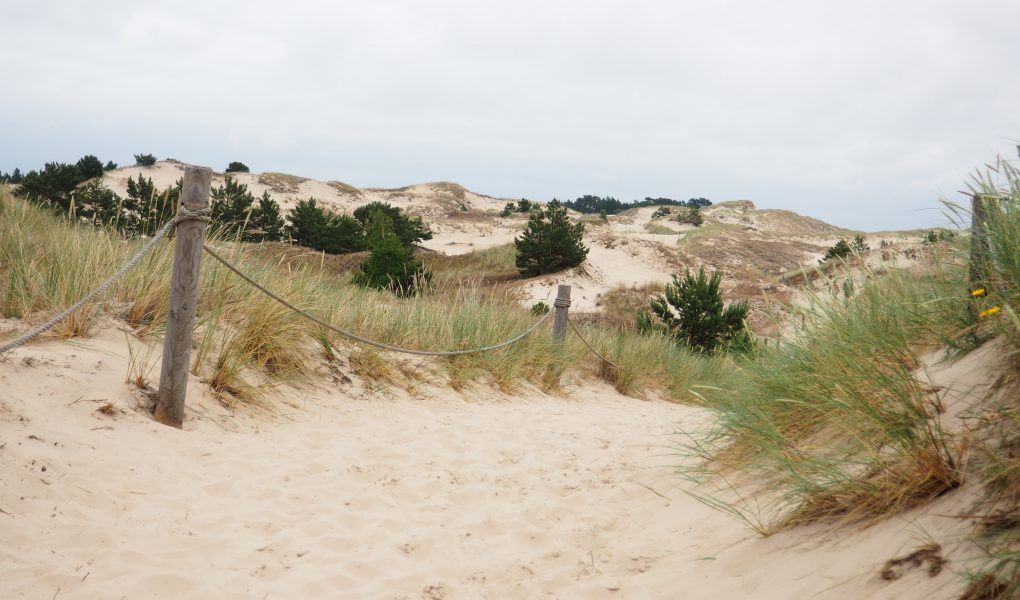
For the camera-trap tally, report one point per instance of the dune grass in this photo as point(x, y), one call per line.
point(998, 430)
point(831, 420)
point(245, 344)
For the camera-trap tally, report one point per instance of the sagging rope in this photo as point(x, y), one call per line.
point(590, 347)
point(364, 340)
point(203, 215)
point(183, 215)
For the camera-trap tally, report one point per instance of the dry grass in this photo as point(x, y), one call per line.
point(282, 183)
point(832, 420)
point(345, 189)
point(620, 304)
point(657, 229)
point(245, 344)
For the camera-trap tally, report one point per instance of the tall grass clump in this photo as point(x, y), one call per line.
point(832, 420)
point(997, 272)
point(47, 264)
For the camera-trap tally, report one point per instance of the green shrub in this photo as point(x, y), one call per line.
point(14, 176)
point(266, 224)
point(550, 242)
point(147, 209)
point(691, 311)
point(90, 167)
point(662, 211)
point(307, 224)
point(237, 167)
point(391, 265)
point(52, 186)
point(841, 249)
point(145, 160)
point(691, 216)
point(409, 230)
point(231, 205)
point(311, 226)
point(539, 308)
point(97, 204)
point(859, 245)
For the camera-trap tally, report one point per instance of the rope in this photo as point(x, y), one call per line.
point(590, 347)
point(184, 215)
point(364, 340)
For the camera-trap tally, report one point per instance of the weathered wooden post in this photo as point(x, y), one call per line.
point(180, 322)
point(979, 250)
point(562, 305)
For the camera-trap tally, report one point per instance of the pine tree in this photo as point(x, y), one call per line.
point(231, 205)
point(409, 230)
point(147, 209)
point(550, 242)
point(391, 265)
point(343, 234)
point(52, 186)
point(307, 223)
point(90, 166)
point(266, 223)
point(838, 250)
point(237, 167)
point(97, 204)
point(691, 311)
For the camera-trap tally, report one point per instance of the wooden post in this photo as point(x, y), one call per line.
point(180, 322)
point(562, 305)
point(979, 250)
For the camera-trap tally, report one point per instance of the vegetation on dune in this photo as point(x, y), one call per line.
point(831, 421)
point(235, 213)
point(237, 167)
point(995, 304)
point(391, 265)
point(145, 160)
point(691, 216)
point(550, 242)
point(521, 206)
point(243, 346)
point(594, 204)
point(409, 230)
point(691, 311)
point(842, 249)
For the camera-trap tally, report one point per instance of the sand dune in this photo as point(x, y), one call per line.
point(368, 493)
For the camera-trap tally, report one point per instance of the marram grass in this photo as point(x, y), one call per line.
point(245, 342)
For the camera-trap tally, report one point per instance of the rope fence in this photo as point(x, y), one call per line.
point(195, 212)
point(364, 340)
point(590, 347)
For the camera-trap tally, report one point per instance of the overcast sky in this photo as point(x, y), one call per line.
point(860, 113)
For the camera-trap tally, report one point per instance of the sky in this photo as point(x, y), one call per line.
point(864, 114)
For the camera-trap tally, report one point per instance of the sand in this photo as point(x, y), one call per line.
point(357, 491)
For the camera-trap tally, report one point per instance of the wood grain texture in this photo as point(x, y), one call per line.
point(173, 379)
point(560, 318)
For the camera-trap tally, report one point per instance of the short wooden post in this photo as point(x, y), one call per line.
point(180, 322)
point(562, 305)
point(979, 250)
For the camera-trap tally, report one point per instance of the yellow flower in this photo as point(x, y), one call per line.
point(989, 312)
point(978, 292)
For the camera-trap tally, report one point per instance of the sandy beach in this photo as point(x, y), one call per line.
point(365, 492)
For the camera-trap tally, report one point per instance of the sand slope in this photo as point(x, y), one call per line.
point(372, 494)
